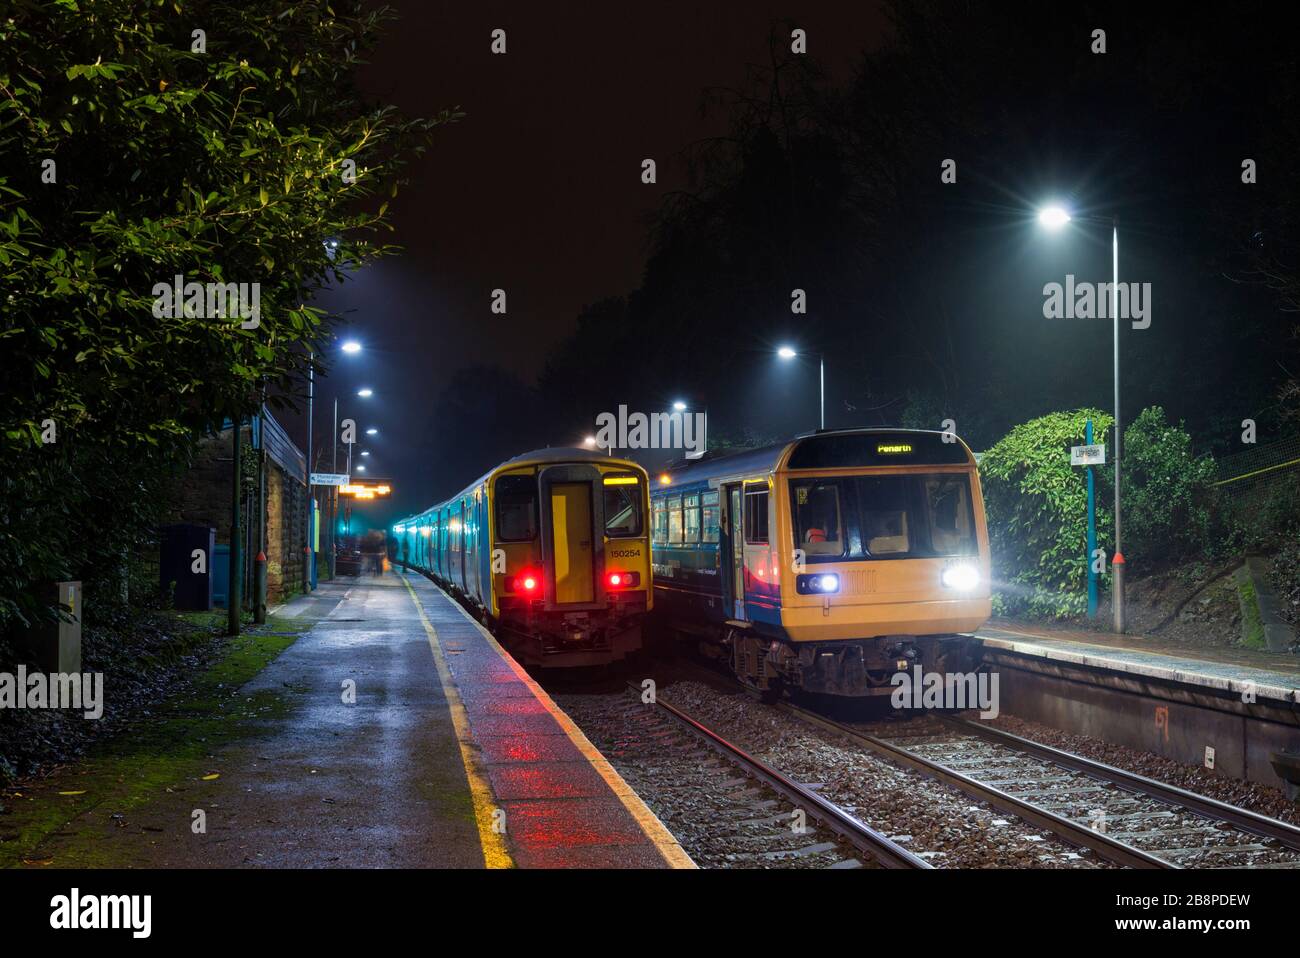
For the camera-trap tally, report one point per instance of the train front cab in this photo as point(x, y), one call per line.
point(861, 554)
point(571, 583)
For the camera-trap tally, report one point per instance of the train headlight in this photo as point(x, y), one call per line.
point(963, 577)
point(823, 583)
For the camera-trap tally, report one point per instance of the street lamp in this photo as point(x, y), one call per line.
point(679, 406)
point(372, 431)
point(1053, 218)
point(787, 353)
point(365, 393)
point(351, 347)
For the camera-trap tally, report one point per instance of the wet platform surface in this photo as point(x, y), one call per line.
point(563, 805)
point(1267, 674)
point(396, 733)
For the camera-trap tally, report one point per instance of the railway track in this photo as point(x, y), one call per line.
point(880, 848)
point(1125, 818)
point(728, 808)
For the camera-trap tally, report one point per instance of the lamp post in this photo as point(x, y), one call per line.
point(1054, 218)
point(787, 353)
point(680, 406)
point(351, 347)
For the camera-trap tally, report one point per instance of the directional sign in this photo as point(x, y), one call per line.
point(1094, 455)
point(329, 478)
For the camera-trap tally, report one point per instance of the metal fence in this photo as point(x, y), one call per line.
point(1260, 467)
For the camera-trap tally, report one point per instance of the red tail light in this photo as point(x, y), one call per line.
point(623, 580)
point(525, 582)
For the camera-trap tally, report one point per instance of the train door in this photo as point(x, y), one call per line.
point(462, 541)
point(732, 542)
point(571, 534)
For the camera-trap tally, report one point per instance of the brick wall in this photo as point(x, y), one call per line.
point(203, 497)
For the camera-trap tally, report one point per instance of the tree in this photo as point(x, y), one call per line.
point(222, 142)
point(1036, 505)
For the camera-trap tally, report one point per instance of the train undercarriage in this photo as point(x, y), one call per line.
point(851, 668)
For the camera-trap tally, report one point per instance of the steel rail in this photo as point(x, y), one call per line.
point(1112, 849)
point(1240, 818)
point(862, 836)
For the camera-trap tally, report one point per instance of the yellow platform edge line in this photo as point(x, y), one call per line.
point(665, 844)
point(495, 852)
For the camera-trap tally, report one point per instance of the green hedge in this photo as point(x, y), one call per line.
point(1037, 515)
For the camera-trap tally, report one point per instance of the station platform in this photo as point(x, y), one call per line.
point(1231, 710)
point(544, 797)
point(1268, 675)
point(392, 732)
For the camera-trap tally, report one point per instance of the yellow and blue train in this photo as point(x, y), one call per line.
point(551, 549)
point(828, 563)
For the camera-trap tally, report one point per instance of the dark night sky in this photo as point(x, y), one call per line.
point(537, 191)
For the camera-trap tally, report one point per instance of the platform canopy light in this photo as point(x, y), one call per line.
point(963, 577)
point(365, 393)
point(679, 406)
point(1053, 217)
point(365, 453)
point(361, 468)
point(372, 431)
point(589, 441)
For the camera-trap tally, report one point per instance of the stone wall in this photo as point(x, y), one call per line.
point(203, 498)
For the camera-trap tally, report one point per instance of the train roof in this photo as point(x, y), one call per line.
point(540, 456)
point(826, 449)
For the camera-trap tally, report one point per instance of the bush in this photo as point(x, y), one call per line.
point(1167, 493)
point(1037, 514)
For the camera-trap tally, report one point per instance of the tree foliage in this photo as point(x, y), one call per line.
point(1036, 504)
point(1167, 495)
point(133, 149)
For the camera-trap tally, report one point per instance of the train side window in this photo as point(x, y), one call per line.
point(660, 521)
point(709, 516)
point(675, 519)
point(690, 518)
point(756, 517)
point(516, 508)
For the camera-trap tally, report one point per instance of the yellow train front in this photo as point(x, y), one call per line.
point(828, 563)
point(551, 549)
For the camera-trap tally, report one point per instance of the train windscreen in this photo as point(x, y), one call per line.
point(883, 517)
point(622, 507)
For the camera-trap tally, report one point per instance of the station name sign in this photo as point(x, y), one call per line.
point(1094, 455)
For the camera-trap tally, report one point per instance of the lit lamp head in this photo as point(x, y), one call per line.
point(1053, 217)
point(785, 352)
